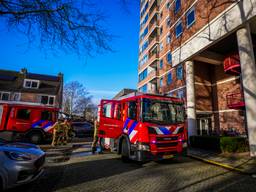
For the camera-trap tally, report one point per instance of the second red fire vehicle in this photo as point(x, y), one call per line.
point(143, 127)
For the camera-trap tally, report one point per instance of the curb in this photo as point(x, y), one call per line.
point(225, 166)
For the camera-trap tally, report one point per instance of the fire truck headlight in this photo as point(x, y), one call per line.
point(143, 147)
point(18, 156)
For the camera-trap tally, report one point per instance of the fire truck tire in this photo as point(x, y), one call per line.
point(35, 137)
point(124, 151)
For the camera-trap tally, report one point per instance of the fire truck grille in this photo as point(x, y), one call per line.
point(160, 145)
point(167, 138)
point(39, 162)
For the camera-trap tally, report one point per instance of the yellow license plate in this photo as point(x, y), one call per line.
point(167, 156)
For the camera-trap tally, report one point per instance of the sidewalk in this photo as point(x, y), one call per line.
point(240, 162)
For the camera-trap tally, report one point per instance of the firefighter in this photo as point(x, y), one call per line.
point(57, 130)
point(66, 129)
point(95, 137)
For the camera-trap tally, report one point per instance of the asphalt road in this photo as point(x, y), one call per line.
point(106, 173)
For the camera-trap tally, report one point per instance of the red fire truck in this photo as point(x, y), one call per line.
point(18, 121)
point(143, 127)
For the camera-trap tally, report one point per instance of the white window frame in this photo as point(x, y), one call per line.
point(188, 12)
point(54, 98)
point(19, 96)
point(31, 80)
point(1, 95)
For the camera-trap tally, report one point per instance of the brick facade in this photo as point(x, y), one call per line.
point(212, 84)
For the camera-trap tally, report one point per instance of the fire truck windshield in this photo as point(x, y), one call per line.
point(162, 112)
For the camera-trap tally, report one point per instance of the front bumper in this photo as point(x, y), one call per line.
point(19, 173)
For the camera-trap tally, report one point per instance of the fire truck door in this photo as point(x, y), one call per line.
point(111, 118)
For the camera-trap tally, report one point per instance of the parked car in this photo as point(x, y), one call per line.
point(20, 163)
point(83, 129)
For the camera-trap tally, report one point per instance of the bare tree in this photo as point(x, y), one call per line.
point(68, 25)
point(75, 98)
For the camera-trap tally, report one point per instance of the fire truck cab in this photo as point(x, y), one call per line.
point(34, 123)
point(143, 127)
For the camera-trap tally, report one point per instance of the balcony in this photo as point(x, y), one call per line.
point(153, 5)
point(235, 100)
point(150, 77)
point(232, 64)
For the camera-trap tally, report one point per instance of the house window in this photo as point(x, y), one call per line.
point(161, 82)
point(47, 100)
point(179, 72)
point(177, 6)
point(5, 96)
point(16, 96)
point(23, 114)
point(178, 29)
point(169, 58)
point(168, 39)
point(190, 17)
point(169, 78)
point(28, 83)
point(161, 63)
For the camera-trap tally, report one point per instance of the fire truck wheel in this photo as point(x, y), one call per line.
point(35, 137)
point(124, 151)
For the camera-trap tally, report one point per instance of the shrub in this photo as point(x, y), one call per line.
point(206, 142)
point(234, 144)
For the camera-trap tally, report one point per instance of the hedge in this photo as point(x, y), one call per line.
point(220, 144)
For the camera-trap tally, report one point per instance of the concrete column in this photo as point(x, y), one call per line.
point(191, 105)
point(248, 73)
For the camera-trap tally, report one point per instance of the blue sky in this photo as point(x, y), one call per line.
point(103, 75)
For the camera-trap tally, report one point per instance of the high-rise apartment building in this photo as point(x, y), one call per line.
point(202, 51)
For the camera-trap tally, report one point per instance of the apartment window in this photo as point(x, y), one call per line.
point(179, 72)
point(168, 39)
point(5, 96)
point(29, 83)
point(180, 94)
point(169, 58)
point(178, 29)
point(161, 14)
point(190, 17)
point(144, 88)
point(143, 75)
point(161, 30)
point(161, 82)
point(168, 5)
point(177, 6)
point(161, 46)
point(168, 22)
point(169, 78)
point(161, 63)
point(47, 100)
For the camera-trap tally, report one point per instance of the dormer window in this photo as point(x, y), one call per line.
point(31, 84)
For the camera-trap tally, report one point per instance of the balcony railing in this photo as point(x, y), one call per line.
point(232, 64)
point(235, 100)
point(152, 75)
